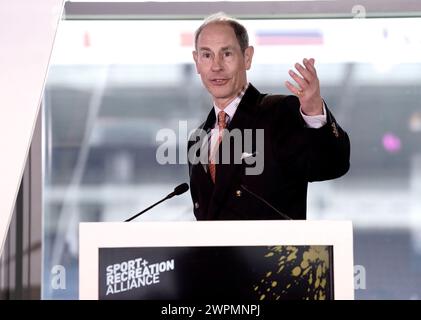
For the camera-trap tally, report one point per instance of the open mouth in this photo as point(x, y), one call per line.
point(219, 81)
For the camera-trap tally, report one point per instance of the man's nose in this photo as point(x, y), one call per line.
point(217, 64)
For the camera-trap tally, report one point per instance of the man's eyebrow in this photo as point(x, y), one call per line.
point(222, 49)
point(227, 48)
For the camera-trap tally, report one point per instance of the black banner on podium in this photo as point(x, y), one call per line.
point(220, 272)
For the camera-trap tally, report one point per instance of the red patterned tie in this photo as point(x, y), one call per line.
point(221, 126)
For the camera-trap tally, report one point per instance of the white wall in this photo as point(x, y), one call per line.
point(27, 31)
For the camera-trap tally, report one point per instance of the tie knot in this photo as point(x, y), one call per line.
point(222, 120)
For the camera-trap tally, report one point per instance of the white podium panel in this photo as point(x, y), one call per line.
point(261, 260)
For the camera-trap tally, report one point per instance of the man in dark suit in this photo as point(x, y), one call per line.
point(294, 139)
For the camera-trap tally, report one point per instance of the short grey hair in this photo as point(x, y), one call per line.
point(220, 17)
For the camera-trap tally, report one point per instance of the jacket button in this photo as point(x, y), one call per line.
point(196, 205)
point(238, 193)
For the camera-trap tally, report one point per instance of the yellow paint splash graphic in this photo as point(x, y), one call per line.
point(295, 269)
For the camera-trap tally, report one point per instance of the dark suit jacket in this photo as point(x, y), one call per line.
point(293, 156)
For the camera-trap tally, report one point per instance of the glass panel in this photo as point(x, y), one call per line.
point(113, 86)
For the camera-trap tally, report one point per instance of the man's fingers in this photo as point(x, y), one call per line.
point(301, 82)
point(307, 75)
point(308, 79)
point(309, 64)
point(293, 89)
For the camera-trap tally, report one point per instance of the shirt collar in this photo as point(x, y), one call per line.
point(231, 108)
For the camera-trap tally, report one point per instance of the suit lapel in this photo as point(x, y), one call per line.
point(201, 166)
point(225, 173)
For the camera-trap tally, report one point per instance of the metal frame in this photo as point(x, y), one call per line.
point(242, 9)
point(20, 264)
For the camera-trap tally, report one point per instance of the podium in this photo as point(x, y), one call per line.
point(209, 260)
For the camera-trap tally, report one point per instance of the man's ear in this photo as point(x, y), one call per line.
point(195, 57)
point(248, 56)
